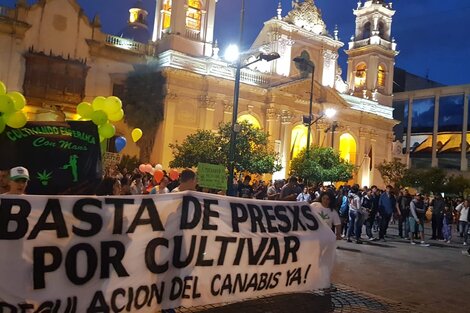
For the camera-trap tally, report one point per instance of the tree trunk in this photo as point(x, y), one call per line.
point(146, 145)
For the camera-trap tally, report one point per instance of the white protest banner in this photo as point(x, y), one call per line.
point(144, 253)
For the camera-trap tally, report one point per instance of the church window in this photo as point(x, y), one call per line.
point(166, 14)
point(381, 76)
point(360, 76)
point(381, 30)
point(194, 15)
point(347, 148)
point(366, 31)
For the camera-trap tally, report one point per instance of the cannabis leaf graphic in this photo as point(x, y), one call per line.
point(44, 177)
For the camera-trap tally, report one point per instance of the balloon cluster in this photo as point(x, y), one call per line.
point(11, 106)
point(157, 172)
point(102, 111)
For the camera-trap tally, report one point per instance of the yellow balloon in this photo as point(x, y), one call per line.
point(16, 119)
point(18, 99)
point(136, 134)
point(99, 117)
point(107, 130)
point(85, 109)
point(98, 103)
point(116, 116)
point(6, 104)
point(3, 88)
point(112, 104)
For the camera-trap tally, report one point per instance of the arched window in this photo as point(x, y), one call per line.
point(166, 14)
point(381, 30)
point(250, 119)
point(193, 15)
point(361, 75)
point(298, 140)
point(347, 148)
point(366, 31)
point(381, 76)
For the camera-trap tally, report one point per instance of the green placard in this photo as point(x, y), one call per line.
point(212, 176)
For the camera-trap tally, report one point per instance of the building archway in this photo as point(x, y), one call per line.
point(360, 76)
point(299, 137)
point(348, 148)
point(381, 76)
point(250, 119)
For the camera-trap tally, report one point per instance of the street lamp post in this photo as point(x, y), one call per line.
point(333, 128)
point(236, 94)
point(309, 65)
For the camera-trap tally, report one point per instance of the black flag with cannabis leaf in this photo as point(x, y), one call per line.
point(62, 157)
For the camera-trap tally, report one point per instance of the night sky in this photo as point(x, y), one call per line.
point(432, 35)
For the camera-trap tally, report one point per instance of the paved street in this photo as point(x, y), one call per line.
point(435, 278)
point(391, 276)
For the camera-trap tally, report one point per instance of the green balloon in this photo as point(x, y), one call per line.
point(99, 117)
point(18, 99)
point(112, 104)
point(107, 130)
point(3, 88)
point(16, 119)
point(2, 124)
point(85, 110)
point(98, 103)
point(116, 116)
point(6, 104)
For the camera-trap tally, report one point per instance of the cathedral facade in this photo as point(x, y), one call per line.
point(274, 96)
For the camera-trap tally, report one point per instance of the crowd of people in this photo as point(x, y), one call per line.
point(348, 210)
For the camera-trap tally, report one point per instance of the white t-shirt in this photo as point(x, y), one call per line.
point(331, 217)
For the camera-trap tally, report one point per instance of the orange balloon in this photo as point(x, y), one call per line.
point(158, 176)
point(174, 175)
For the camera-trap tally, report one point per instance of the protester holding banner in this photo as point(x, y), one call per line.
point(329, 215)
point(109, 186)
point(19, 177)
point(188, 181)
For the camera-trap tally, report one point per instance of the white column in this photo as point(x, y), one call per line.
point(434, 161)
point(463, 153)
point(157, 21)
point(178, 17)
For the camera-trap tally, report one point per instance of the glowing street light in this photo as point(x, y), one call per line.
point(232, 53)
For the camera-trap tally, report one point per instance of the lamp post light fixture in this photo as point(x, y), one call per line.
point(235, 128)
point(333, 127)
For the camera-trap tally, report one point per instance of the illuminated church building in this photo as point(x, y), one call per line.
point(199, 90)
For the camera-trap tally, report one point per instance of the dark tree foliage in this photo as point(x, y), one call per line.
point(253, 153)
point(323, 164)
point(144, 105)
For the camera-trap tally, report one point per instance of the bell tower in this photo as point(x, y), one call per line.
point(185, 25)
point(372, 52)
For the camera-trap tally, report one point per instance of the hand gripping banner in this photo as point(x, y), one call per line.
point(144, 253)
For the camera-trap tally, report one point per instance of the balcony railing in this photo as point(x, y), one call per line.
point(192, 34)
point(371, 41)
point(126, 44)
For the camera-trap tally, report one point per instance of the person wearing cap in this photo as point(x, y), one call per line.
point(19, 177)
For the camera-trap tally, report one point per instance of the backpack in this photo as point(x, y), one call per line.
point(344, 208)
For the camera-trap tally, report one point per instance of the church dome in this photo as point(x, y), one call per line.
point(306, 15)
point(137, 28)
point(136, 32)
